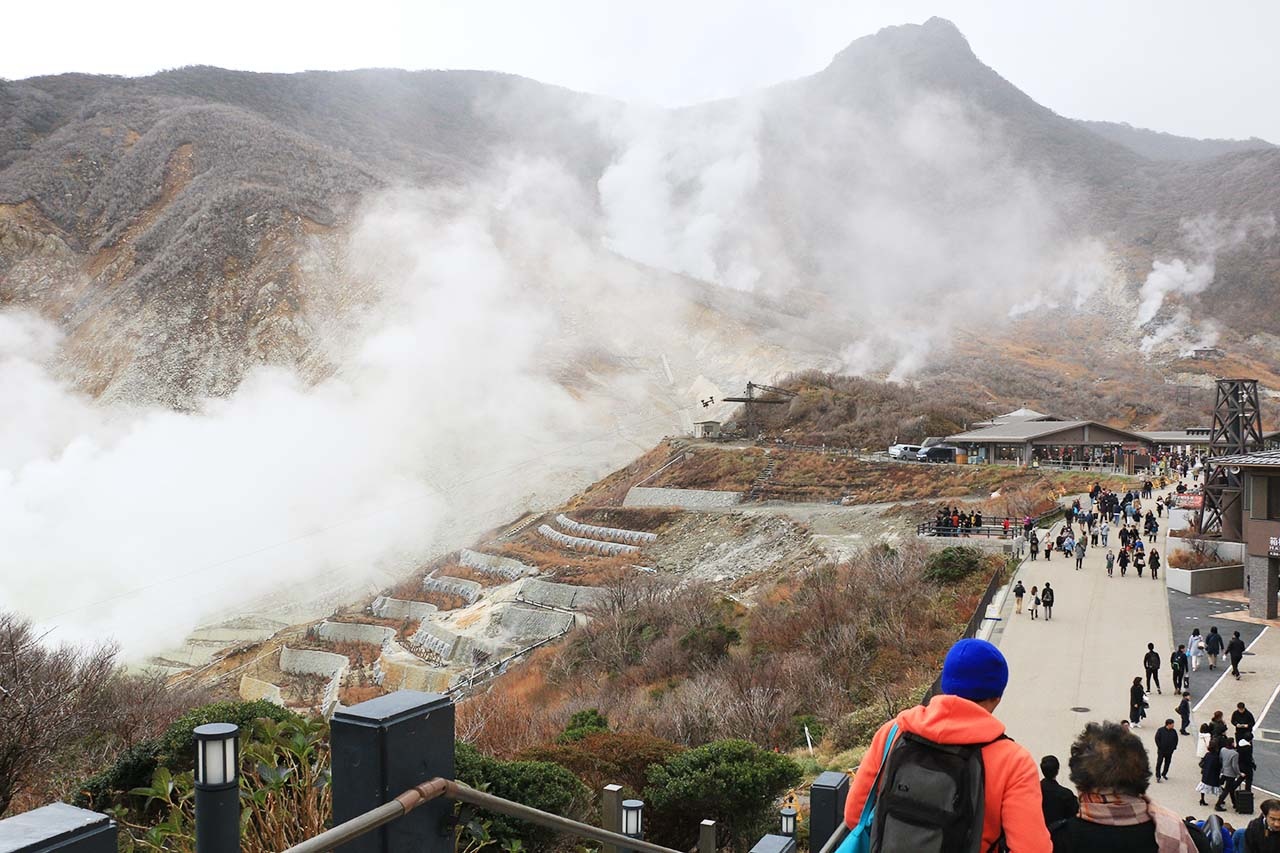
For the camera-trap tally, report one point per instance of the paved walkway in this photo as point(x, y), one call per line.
point(1078, 667)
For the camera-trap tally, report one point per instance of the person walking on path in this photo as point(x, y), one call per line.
point(1111, 563)
point(974, 677)
point(1137, 702)
point(1151, 663)
point(1213, 646)
point(1035, 602)
point(1018, 591)
point(1210, 774)
point(1155, 564)
point(1048, 546)
point(1184, 711)
point(1105, 530)
point(1166, 743)
point(1230, 775)
point(1080, 551)
point(1235, 651)
point(1035, 545)
point(1124, 561)
point(1046, 597)
point(1244, 748)
point(1057, 800)
point(1178, 663)
point(1195, 649)
point(1139, 562)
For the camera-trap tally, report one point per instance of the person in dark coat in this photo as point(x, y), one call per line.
point(1213, 646)
point(1151, 663)
point(1210, 774)
point(1262, 835)
point(1242, 719)
point(1137, 701)
point(1057, 800)
point(1047, 598)
point(1166, 743)
point(1184, 711)
point(1235, 651)
point(1178, 662)
point(1244, 748)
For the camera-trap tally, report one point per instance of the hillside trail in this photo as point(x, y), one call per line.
point(1077, 667)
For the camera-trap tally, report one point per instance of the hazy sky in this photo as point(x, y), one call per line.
point(1182, 66)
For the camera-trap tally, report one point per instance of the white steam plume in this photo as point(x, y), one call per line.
point(1204, 237)
point(142, 524)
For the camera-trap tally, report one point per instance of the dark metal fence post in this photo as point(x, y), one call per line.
point(707, 837)
point(58, 828)
point(775, 844)
point(611, 814)
point(826, 806)
point(384, 747)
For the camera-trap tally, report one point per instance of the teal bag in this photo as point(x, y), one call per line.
point(859, 838)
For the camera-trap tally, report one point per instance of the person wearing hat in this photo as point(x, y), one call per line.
point(974, 677)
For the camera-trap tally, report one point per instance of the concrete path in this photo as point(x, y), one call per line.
point(1077, 667)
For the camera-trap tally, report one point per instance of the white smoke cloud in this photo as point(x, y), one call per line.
point(1205, 237)
point(142, 524)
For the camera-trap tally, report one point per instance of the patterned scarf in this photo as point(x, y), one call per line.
point(1111, 808)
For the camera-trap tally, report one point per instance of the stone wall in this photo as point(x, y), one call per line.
point(590, 546)
point(492, 564)
point(435, 639)
point(610, 534)
point(311, 662)
point(351, 632)
point(468, 590)
point(399, 608)
point(682, 498)
point(398, 669)
point(562, 595)
point(523, 625)
point(1200, 581)
point(252, 689)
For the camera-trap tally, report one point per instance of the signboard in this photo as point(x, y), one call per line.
point(1189, 501)
point(1273, 546)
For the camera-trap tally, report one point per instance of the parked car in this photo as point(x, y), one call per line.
point(904, 451)
point(937, 453)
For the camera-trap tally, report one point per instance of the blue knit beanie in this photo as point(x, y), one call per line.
point(975, 670)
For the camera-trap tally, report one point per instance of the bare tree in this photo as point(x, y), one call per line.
point(50, 699)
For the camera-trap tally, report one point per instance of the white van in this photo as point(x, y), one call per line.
point(904, 451)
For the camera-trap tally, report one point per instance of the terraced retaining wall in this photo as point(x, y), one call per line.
point(352, 632)
point(562, 595)
point(590, 546)
point(252, 689)
point(468, 590)
point(682, 498)
point(611, 534)
point(524, 624)
point(399, 608)
point(492, 564)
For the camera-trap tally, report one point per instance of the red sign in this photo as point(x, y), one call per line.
point(1191, 501)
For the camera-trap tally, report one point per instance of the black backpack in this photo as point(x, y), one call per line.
point(931, 798)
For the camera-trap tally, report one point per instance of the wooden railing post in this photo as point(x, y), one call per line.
point(707, 837)
point(611, 814)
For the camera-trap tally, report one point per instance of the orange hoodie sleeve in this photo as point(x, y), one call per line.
point(1022, 815)
point(866, 777)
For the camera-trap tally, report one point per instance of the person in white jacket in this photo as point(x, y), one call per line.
point(1195, 649)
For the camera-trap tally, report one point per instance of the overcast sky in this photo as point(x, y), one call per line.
point(1182, 66)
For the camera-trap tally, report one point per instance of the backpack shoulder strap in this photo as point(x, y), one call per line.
point(868, 808)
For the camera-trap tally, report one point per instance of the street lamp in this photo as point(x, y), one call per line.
point(788, 816)
point(633, 818)
point(217, 779)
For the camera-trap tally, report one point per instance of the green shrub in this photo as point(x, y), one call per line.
point(539, 784)
point(131, 769)
point(177, 747)
point(605, 758)
point(732, 782)
point(798, 725)
point(856, 728)
point(953, 564)
point(584, 723)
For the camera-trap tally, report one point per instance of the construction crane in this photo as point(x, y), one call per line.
point(750, 401)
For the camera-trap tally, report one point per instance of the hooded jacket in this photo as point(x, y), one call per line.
point(1012, 783)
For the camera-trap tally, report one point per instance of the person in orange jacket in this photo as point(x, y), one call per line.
point(974, 676)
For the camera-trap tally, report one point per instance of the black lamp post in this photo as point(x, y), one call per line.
point(633, 819)
point(217, 788)
point(788, 816)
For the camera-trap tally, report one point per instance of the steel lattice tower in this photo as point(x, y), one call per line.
point(1237, 428)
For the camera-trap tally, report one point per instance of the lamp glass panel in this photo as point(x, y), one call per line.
point(229, 754)
point(214, 762)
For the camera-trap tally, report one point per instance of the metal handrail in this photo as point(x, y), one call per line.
point(836, 838)
point(436, 788)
